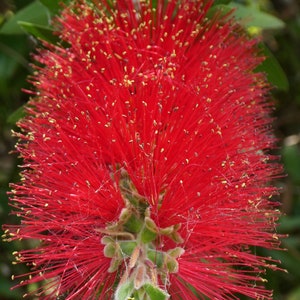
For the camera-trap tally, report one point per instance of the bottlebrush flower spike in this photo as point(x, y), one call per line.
point(146, 171)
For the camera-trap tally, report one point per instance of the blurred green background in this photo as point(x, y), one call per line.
point(277, 21)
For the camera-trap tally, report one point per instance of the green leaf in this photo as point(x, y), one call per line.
point(8, 65)
point(124, 291)
point(289, 261)
point(252, 16)
point(221, 9)
point(274, 71)
point(289, 224)
point(16, 115)
point(6, 291)
point(291, 159)
point(35, 13)
point(292, 241)
point(13, 53)
point(155, 293)
point(53, 6)
point(39, 31)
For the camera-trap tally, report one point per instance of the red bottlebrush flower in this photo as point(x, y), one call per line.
point(145, 169)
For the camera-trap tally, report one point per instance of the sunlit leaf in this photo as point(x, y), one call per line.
point(35, 13)
point(41, 32)
point(252, 16)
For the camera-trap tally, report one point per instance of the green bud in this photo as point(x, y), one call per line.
point(125, 215)
point(166, 230)
point(127, 247)
point(107, 239)
point(155, 293)
point(148, 235)
point(124, 291)
point(114, 264)
point(176, 252)
point(176, 237)
point(139, 276)
point(110, 250)
point(150, 224)
point(157, 257)
point(171, 264)
point(133, 224)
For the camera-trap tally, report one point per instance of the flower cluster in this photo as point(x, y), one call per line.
point(146, 171)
